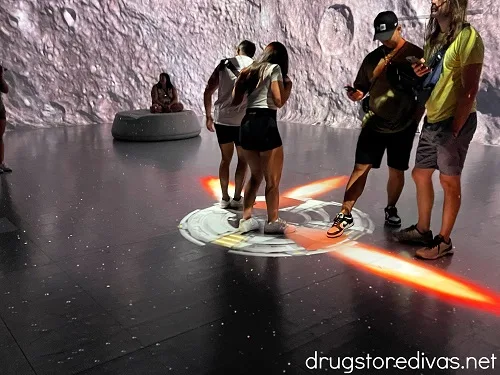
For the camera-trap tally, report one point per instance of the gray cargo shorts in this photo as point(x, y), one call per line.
point(438, 149)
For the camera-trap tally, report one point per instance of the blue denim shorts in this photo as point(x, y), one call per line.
point(438, 149)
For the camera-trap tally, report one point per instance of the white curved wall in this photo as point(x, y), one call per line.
point(80, 61)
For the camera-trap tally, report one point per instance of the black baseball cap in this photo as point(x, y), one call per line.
point(385, 24)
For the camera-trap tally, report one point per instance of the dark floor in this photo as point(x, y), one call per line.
point(96, 277)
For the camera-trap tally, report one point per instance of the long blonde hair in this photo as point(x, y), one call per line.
point(458, 9)
point(274, 53)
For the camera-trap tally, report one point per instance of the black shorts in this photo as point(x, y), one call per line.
point(372, 145)
point(227, 134)
point(259, 130)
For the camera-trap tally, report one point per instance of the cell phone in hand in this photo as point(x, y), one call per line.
point(414, 60)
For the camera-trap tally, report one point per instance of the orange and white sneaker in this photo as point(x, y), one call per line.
point(340, 224)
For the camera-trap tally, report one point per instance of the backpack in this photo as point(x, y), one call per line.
point(226, 63)
point(403, 79)
point(424, 90)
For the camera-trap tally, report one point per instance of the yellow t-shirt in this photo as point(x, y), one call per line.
point(466, 49)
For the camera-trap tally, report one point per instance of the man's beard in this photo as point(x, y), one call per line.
point(434, 10)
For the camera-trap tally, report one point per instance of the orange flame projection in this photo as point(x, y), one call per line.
point(418, 275)
point(316, 188)
point(212, 186)
point(289, 198)
point(377, 261)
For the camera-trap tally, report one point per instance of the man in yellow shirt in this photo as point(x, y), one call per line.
point(450, 123)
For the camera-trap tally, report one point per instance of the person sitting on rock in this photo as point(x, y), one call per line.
point(164, 96)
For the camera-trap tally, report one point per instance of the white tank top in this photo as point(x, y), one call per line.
point(261, 96)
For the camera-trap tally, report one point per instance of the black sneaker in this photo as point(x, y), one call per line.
point(340, 224)
point(413, 235)
point(437, 249)
point(391, 216)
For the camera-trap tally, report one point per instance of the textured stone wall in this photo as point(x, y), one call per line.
point(80, 61)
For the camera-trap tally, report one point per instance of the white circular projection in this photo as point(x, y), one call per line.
point(218, 226)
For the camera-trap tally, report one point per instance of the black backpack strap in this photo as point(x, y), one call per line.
point(227, 64)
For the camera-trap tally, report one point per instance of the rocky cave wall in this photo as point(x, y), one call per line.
point(77, 62)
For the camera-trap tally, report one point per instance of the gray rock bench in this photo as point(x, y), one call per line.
point(142, 125)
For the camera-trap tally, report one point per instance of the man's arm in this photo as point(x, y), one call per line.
point(175, 96)
point(361, 83)
point(211, 87)
point(471, 77)
point(471, 54)
point(154, 96)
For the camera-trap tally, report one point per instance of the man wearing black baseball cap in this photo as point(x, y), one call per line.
point(390, 122)
point(385, 24)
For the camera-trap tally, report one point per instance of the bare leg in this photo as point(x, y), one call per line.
point(176, 107)
point(355, 187)
point(395, 186)
point(156, 108)
point(451, 206)
point(272, 167)
point(425, 197)
point(227, 151)
point(253, 159)
point(240, 174)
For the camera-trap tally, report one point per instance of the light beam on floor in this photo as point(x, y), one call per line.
point(418, 275)
point(290, 197)
point(377, 261)
point(316, 188)
point(212, 186)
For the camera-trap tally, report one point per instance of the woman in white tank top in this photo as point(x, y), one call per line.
point(266, 91)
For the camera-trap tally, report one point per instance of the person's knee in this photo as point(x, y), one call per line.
point(362, 168)
point(225, 162)
point(272, 182)
point(271, 186)
point(450, 183)
point(177, 107)
point(256, 177)
point(226, 157)
point(421, 175)
point(242, 165)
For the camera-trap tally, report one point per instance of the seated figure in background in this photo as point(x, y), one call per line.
point(164, 96)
